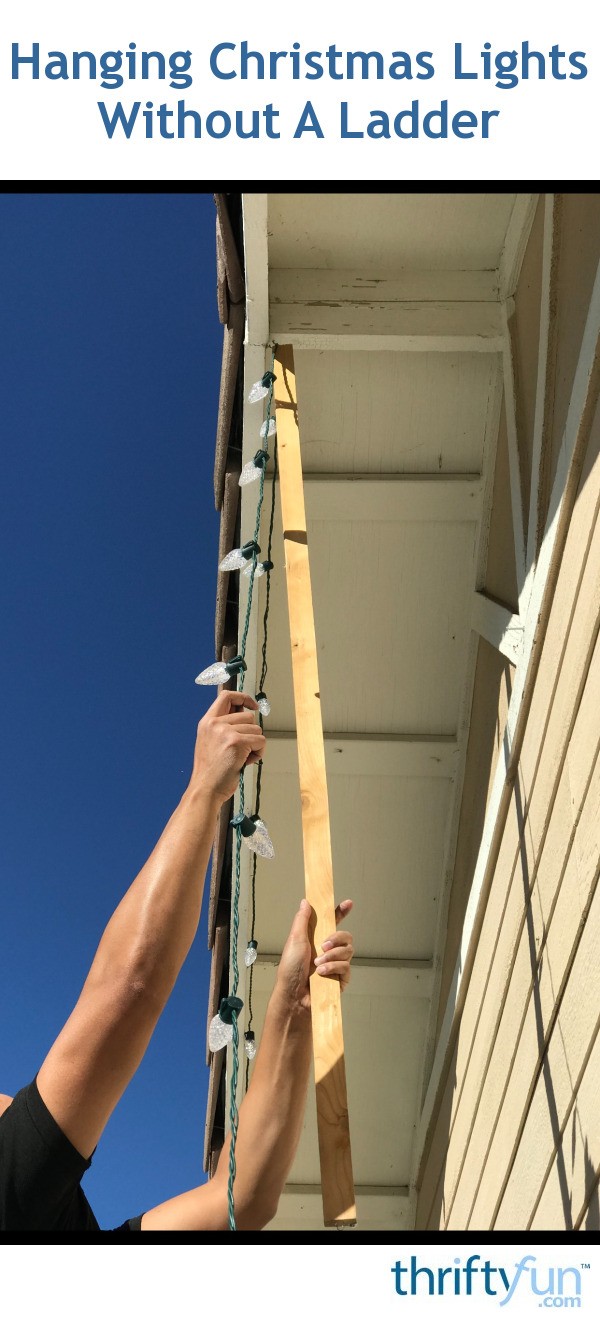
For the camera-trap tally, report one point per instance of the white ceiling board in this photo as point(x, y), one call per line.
point(388, 231)
point(382, 1081)
point(359, 498)
point(377, 1209)
point(397, 623)
point(366, 412)
point(380, 978)
point(387, 839)
point(382, 756)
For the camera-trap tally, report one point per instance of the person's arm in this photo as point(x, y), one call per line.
point(148, 937)
point(272, 1112)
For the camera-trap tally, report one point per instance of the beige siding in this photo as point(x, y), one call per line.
point(430, 1204)
point(526, 1044)
point(571, 1186)
point(491, 695)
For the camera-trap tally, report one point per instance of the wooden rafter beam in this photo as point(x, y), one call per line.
point(503, 629)
point(371, 976)
point(339, 1206)
point(354, 497)
point(515, 242)
point(383, 326)
point(321, 287)
point(383, 1207)
point(394, 755)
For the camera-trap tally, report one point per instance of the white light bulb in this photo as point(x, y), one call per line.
point(261, 388)
point(264, 433)
point(219, 1034)
point(259, 570)
point(232, 561)
point(264, 707)
point(249, 473)
point(213, 676)
point(249, 1045)
point(259, 841)
point(251, 953)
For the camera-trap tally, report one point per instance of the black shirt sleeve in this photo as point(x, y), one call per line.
point(40, 1171)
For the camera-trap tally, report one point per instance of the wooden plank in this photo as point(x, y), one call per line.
point(498, 625)
point(328, 1044)
point(321, 287)
point(404, 326)
point(354, 497)
point(564, 516)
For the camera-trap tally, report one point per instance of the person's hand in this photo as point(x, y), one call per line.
point(228, 739)
point(297, 963)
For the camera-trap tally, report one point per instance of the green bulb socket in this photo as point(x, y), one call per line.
point(237, 665)
point(250, 549)
point(227, 1008)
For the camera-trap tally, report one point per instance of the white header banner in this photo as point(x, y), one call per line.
point(320, 92)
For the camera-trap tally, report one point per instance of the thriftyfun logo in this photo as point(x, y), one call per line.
point(556, 1288)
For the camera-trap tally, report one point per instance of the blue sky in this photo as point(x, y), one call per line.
point(109, 364)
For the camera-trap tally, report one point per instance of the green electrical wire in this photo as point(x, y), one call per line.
point(233, 1110)
point(263, 678)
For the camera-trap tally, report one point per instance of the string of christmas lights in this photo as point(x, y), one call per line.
point(250, 829)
